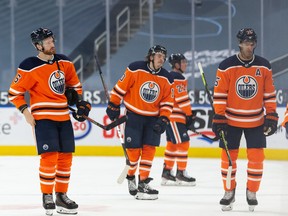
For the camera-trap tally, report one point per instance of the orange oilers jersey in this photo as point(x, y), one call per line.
point(182, 104)
point(144, 93)
point(243, 93)
point(45, 82)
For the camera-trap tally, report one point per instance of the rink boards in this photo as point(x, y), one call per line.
point(16, 137)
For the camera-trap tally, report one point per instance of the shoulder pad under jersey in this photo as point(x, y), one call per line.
point(260, 61)
point(229, 62)
point(30, 63)
point(138, 65)
point(163, 72)
point(61, 57)
point(177, 75)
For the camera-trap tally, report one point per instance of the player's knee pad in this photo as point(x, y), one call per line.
point(255, 155)
point(148, 152)
point(233, 154)
point(65, 159)
point(133, 154)
point(49, 159)
point(183, 147)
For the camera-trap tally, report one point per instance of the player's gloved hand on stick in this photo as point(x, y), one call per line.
point(270, 123)
point(190, 120)
point(161, 124)
point(113, 111)
point(83, 109)
point(219, 124)
point(72, 96)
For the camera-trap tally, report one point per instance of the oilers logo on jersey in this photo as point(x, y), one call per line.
point(246, 87)
point(57, 82)
point(149, 91)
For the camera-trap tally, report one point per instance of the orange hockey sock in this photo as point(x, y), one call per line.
point(134, 155)
point(254, 168)
point(182, 155)
point(148, 153)
point(63, 172)
point(47, 171)
point(225, 165)
point(170, 155)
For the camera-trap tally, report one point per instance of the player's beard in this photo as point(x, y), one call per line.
point(51, 51)
point(247, 55)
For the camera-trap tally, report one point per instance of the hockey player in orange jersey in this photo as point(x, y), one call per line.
point(181, 119)
point(244, 102)
point(145, 89)
point(52, 83)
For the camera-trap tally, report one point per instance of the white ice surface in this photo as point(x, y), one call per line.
point(93, 186)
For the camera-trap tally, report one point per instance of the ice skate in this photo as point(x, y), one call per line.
point(65, 205)
point(132, 187)
point(228, 200)
point(183, 179)
point(48, 204)
point(145, 192)
point(251, 200)
point(168, 179)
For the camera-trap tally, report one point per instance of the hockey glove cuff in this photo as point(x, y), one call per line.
point(190, 120)
point(72, 96)
point(113, 111)
point(219, 123)
point(161, 124)
point(270, 123)
point(83, 109)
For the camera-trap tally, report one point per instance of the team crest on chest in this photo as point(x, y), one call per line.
point(149, 91)
point(246, 87)
point(57, 82)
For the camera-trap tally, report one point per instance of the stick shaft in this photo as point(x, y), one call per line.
point(222, 135)
point(125, 171)
point(210, 98)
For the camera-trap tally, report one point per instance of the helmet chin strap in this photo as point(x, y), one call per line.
point(154, 71)
point(179, 69)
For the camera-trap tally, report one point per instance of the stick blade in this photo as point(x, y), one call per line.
point(228, 177)
point(123, 174)
point(117, 122)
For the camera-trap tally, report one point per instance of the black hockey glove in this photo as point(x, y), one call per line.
point(161, 124)
point(113, 111)
point(219, 124)
point(83, 109)
point(190, 120)
point(72, 96)
point(270, 123)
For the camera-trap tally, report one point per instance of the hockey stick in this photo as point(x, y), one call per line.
point(206, 85)
point(104, 127)
point(127, 166)
point(205, 136)
point(221, 134)
point(229, 171)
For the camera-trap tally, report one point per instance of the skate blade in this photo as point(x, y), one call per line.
point(227, 207)
point(183, 183)
point(49, 212)
point(166, 182)
point(145, 196)
point(251, 208)
point(62, 210)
